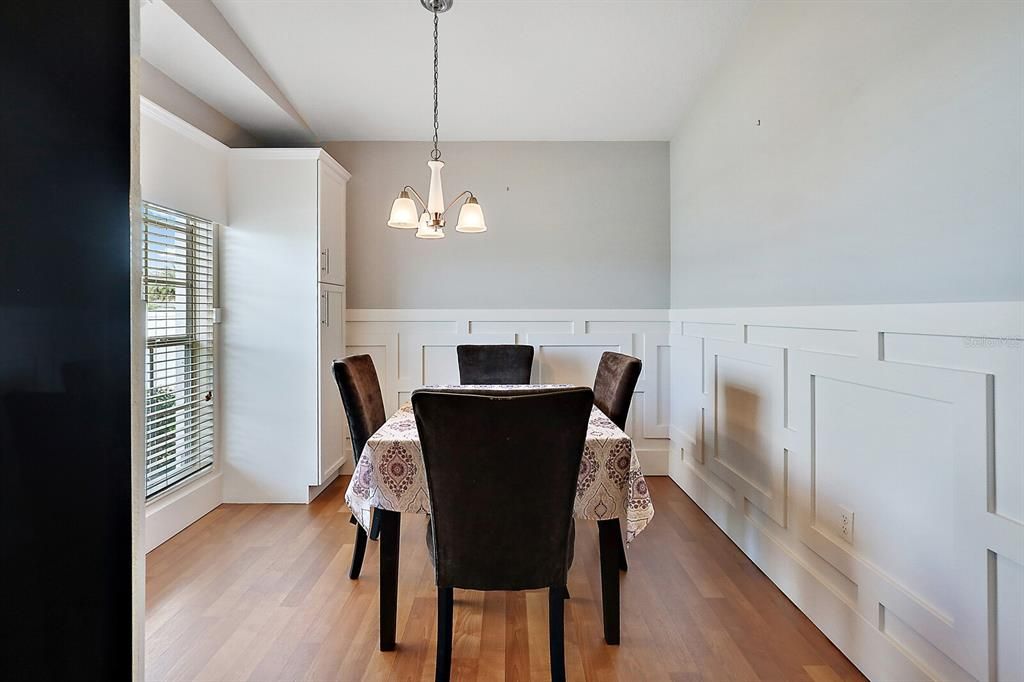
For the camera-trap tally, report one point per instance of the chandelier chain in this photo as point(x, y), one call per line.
point(436, 153)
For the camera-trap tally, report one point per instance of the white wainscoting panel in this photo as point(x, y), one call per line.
point(870, 459)
point(412, 348)
point(743, 437)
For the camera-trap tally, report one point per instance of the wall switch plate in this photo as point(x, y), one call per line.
point(846, 524)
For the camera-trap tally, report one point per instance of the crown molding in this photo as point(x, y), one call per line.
point(293, 154)
point(159, 114)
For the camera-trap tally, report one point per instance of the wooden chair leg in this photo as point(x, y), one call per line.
point(374, 525)
point(556, 633)
point(445, 610)
point(390, 539)
point(611, 542)
point(623, 566)
point(358, 551)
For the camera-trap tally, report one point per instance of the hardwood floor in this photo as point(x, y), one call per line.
point(261, 592)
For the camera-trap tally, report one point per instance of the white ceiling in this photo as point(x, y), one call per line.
point(510, 69)
point(175, 47)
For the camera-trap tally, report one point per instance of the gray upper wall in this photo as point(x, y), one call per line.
point(888, 166)
point(570, 225)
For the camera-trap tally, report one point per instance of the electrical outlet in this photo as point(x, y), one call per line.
point(846, 524)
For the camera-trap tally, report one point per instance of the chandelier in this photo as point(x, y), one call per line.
point(430, 223)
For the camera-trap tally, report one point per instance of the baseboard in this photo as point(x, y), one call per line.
point(315, 490)
point(653, 461)
point(170, 515)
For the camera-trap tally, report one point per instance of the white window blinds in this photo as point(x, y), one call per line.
point(178, 288)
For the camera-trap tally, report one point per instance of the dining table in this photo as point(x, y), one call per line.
point(390, 480)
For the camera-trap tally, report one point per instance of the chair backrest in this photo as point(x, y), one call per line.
point(361, 396)
point(501, 475)
point(613, 388)
point(495, 364)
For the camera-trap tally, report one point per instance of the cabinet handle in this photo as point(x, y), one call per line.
point(328, 252)
point(325, 311)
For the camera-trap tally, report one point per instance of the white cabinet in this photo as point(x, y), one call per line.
point(331, 415)
point(282, 277)
point(331, 222)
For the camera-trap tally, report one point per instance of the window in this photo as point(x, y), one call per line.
point(178, 288)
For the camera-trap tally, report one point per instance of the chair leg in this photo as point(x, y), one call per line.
point(374, 525)
point(390, 539)
point(556, 633)
point(623, 566)
point(358, 551)
point(445, 609)
point(610, 541)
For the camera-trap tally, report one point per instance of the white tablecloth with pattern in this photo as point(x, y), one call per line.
point(390, 472)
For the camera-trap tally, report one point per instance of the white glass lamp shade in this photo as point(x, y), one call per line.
point(425, 231)
point(471, 217)
point(403, 212)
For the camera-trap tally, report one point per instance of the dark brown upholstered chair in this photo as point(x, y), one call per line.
point(616, 379)
point(364, 406)
point(500, 364)
point(617, 375)
point(501, 475)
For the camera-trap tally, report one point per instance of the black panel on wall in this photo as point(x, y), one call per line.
point(65, 483)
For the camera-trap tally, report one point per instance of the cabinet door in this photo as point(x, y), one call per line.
point(331, 213)
point(333, 425)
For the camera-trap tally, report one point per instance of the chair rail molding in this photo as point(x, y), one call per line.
point(414, 347)
point(870, 460)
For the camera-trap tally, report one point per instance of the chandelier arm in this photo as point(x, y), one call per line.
point(417, 195)
point(460, 195)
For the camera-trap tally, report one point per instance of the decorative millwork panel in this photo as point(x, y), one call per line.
point(919, 431)
point(432, 359)
point(654, 382)
point(746, 388)
point(689, 405)
point(383, 348)
point(416, 347)
point(1002, 357)
point(898, 436)
point(573, 358)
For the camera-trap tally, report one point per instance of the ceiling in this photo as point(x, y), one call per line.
point(173, 46)
point(509, 69)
